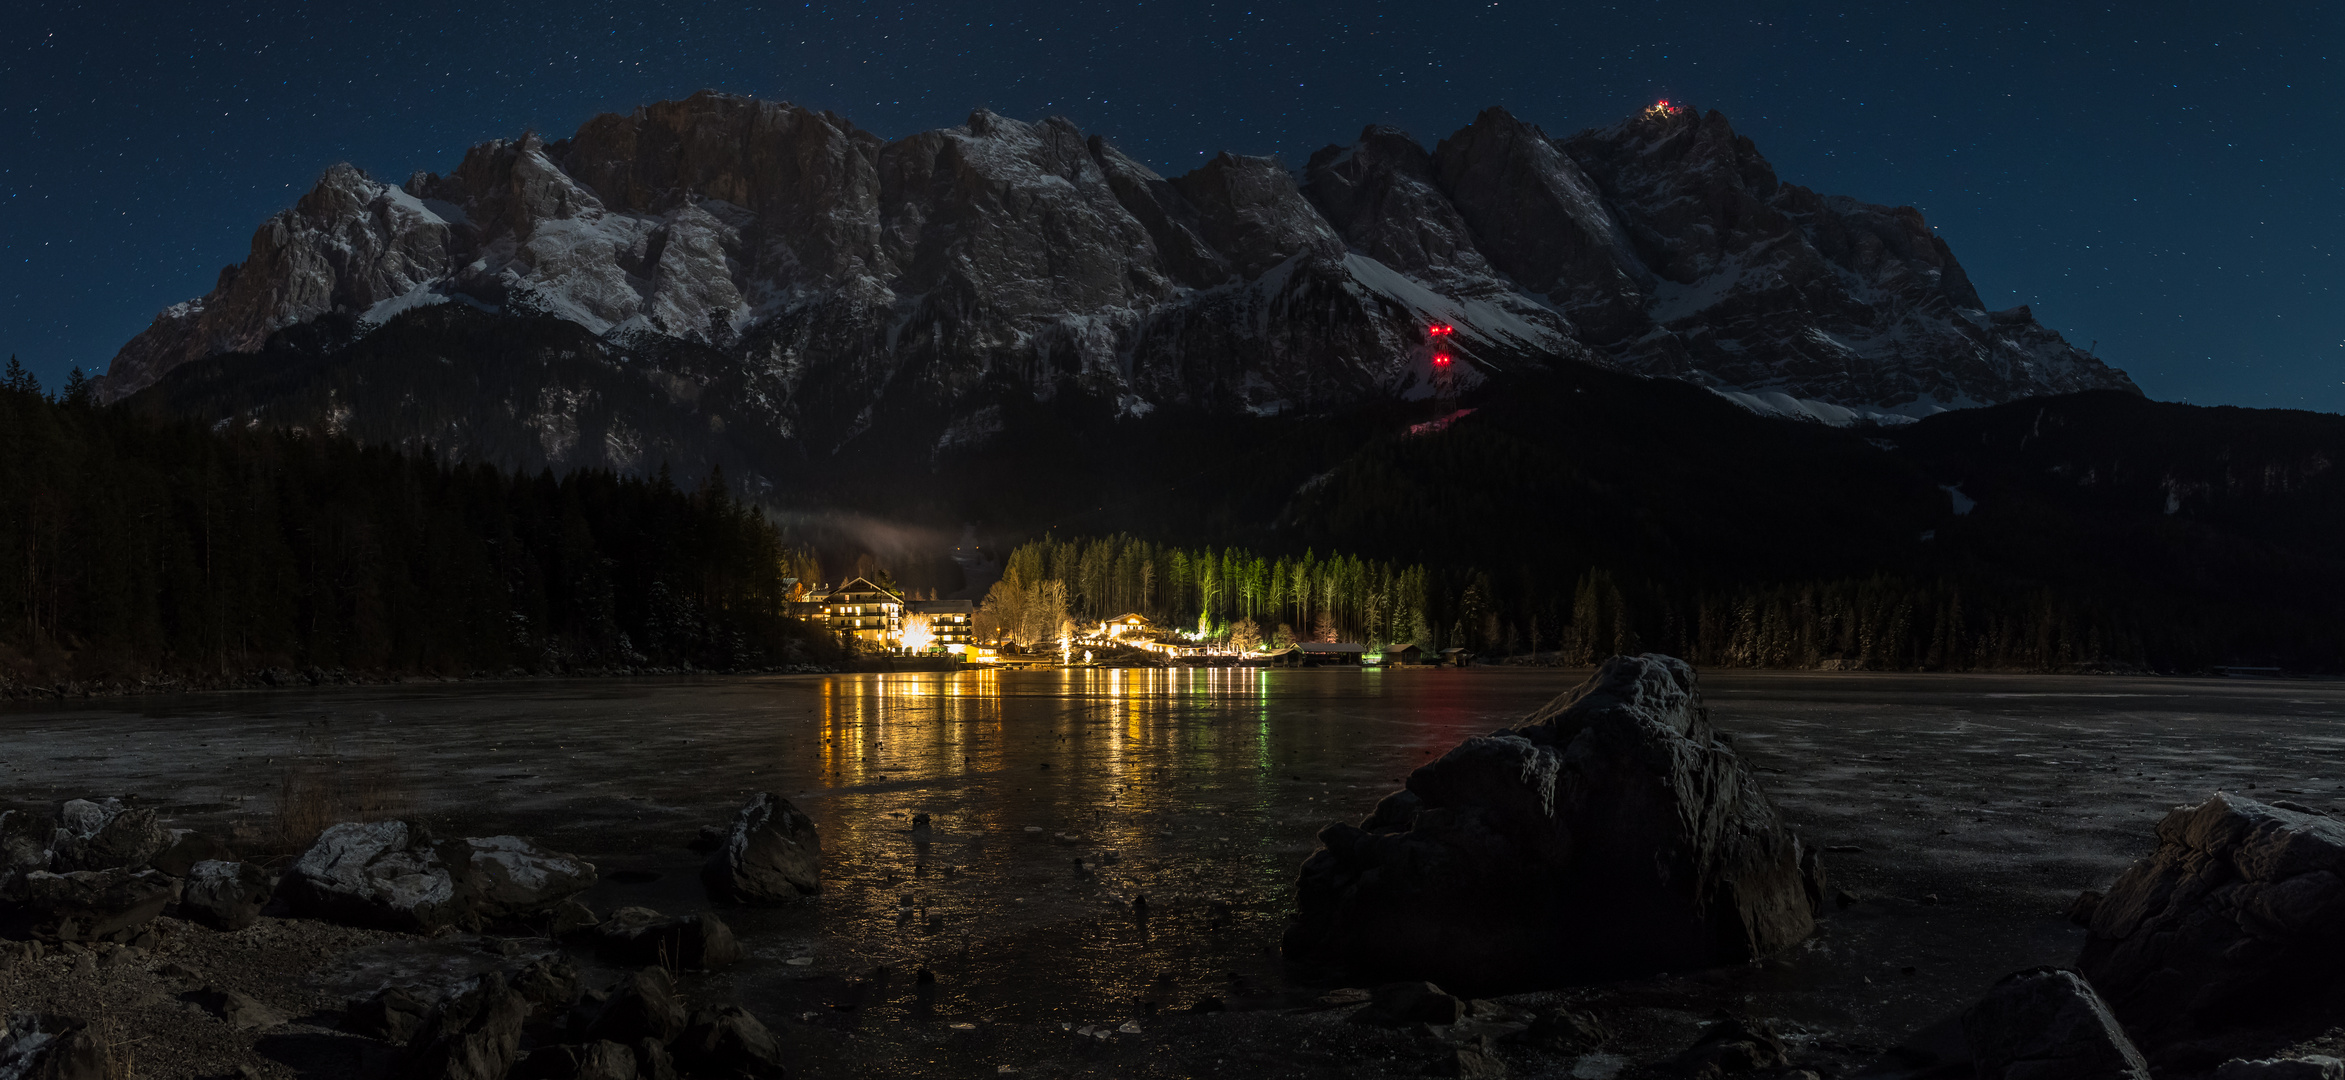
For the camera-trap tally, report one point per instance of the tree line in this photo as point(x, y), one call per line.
point(136, 547)
point(1879, 622)
point(1049, 584)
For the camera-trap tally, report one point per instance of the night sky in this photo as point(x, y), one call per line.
point(2164, 180)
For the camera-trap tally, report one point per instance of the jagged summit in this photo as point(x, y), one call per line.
point(841, 279)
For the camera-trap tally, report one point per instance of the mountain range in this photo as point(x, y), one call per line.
point(728, 281)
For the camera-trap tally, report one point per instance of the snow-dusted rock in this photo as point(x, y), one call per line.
point(106, 835)
point(771, 854)
point(381, 873)
point(510, 876)
point(394, 874)
point(1612, 833)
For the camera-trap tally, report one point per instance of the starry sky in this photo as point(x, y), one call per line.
point(2162, 182)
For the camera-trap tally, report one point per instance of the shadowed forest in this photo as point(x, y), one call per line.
point(137, 547)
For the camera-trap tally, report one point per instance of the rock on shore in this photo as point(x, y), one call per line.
point(106, 836)
point(2047, 1024)
point(393, 874)
point(2235, 917)
point(770, 855)
point(1611, 834)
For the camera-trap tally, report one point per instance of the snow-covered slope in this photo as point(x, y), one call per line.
point(848, 278)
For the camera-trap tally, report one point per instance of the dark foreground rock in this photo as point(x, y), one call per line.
point(474, 1036)
point(599, 1060)
point(393, 1014)
point(1731, 1046)
point(225, 895)
point(2235, 918)
point(24, 845)
point(187, 848)
point(89, 905)
point(2047, 1024)
point(395, 875)
point(643, 1006)
point(1611, 834)
point(728, 1042)
point(770, 855)
point(240, 1010)
point(639, 937)
point(2317, 1067)
point(41, 1046)
point(1404, 1003)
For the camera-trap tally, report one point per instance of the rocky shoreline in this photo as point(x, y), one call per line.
point(383, 941)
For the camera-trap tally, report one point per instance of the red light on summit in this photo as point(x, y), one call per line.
point(1440, 330)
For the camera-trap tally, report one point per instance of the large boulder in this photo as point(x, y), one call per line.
point(90, 905)
point(390, 874)
point(1612, 833)
point(2237, 916)
point(226, 895)
point(106, 836)
point(770, 855)
point(393, 874)
point(2047, 1024)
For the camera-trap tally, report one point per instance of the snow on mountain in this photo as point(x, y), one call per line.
point(844, 278)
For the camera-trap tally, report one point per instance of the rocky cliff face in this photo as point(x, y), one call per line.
point(848, 279)
point(1770, 288)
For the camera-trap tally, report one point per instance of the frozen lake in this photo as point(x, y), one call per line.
point(1965, 810)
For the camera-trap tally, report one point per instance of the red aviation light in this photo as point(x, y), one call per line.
point(1440, 359)
point(1440, 330)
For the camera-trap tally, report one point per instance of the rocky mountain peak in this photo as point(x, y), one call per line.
point(1540, 221)
point(836, 280)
